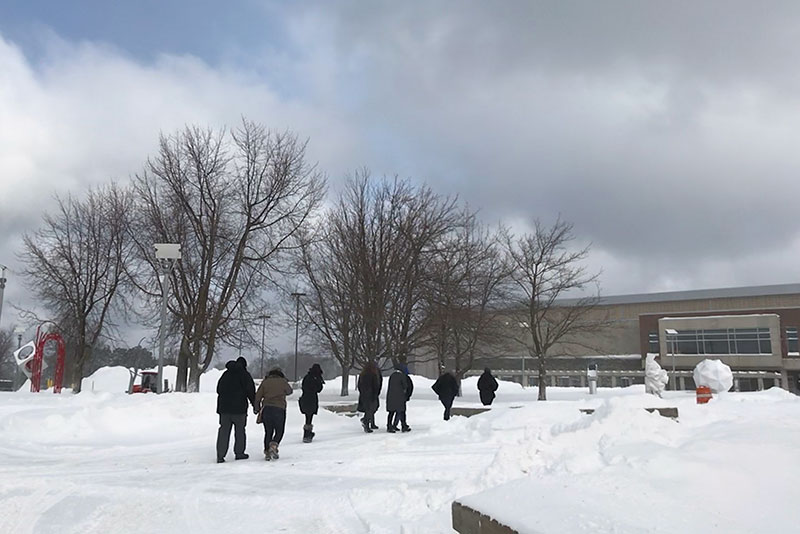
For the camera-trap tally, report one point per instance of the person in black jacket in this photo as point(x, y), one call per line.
point(234, 389)
point(369, 390)
point(446, 387)
point(398, 393)
point(309, 400)
point(487, 385)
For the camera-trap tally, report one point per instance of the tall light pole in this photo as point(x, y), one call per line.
point(263, 331)
point(671, 332)
point(2, 288)
point(296, 296)
point(166, 254)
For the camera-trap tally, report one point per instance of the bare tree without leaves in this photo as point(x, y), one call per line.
point(466, 292)
point(234, 201)
point(75, 264)
point(7, 346)
point(544, 271)
point(366, 270)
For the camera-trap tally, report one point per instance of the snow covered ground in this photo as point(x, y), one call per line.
point(107, 462)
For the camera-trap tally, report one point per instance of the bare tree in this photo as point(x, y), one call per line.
point(234, 201)
point(7, 346)
point(366, 270)
point(465, 294)
point(544, 271)
point(75, 264)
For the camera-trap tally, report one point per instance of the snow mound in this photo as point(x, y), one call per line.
point(714, 374)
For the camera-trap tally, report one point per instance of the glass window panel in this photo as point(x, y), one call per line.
point(717, 346)
point(746, 346)
point(765, 347)
point(791, 339)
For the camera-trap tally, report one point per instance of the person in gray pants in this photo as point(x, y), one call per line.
point(234, 389)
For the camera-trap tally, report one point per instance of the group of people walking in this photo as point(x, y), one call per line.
point(236, 390)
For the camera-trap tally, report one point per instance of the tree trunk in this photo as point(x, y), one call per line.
point(194, 379)
point(77, 366)
point(345, 380)
point(183, 367)
point(542, 379)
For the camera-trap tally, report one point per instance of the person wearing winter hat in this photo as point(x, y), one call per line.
point(398, 393)
point(234, 389)
point(487, 385)
point(270, 404)
point(309, 400)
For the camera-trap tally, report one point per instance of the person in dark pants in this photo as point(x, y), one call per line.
point(369, 390)
point(309, 400)
point(487, 385)
point(398, 393)
point(270, 404)
point(446, 387)
point(234, 389)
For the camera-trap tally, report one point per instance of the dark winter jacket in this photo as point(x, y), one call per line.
point(487, 385)
point(235, 388)
point(446, 387)
point(369, 390)
point(273, 391)
point(312, 386)
point(398, 392)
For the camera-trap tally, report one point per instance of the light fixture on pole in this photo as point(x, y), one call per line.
point(674, 334)
point(297, 296)
point(166, 254)
point(2, 288)
point(263, 331)
point(524, 380)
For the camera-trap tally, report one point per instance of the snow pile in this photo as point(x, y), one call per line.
point(101, 462)
point(714, 374)
point(116, 379)
point(655, 378)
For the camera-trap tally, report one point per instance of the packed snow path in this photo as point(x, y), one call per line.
point(109, 462)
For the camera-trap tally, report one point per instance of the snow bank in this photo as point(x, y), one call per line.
point(116, 379)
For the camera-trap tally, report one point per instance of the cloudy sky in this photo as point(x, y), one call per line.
point(667, 132)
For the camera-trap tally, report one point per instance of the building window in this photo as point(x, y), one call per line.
point(791, 341)
point(722, 341)
point(652, 340)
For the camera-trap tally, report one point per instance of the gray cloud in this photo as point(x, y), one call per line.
point(664, 131)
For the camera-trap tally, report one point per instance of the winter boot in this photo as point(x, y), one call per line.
point(308, 435)
point(391, 429)
point(405, 428)
point(372, 424)
point(273, 449)
point(267, 455)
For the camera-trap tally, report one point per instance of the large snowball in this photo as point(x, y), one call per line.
point(714, 374)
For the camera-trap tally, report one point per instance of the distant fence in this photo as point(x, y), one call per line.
point(743, 380)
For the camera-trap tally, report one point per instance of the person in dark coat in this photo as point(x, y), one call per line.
point(309, 400)
point(369, 390)
point(487, 385)
point(398, 393)
point(234, 389)
point(446, 387)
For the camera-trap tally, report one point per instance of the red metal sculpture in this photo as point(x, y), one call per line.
point(36, 367)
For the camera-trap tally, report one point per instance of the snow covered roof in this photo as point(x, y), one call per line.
point(697, 294)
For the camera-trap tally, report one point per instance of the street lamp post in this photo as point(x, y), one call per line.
point(2, 289)
point(263, 331)
point(671, 332)
point(166, 254)
point(297, 296)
